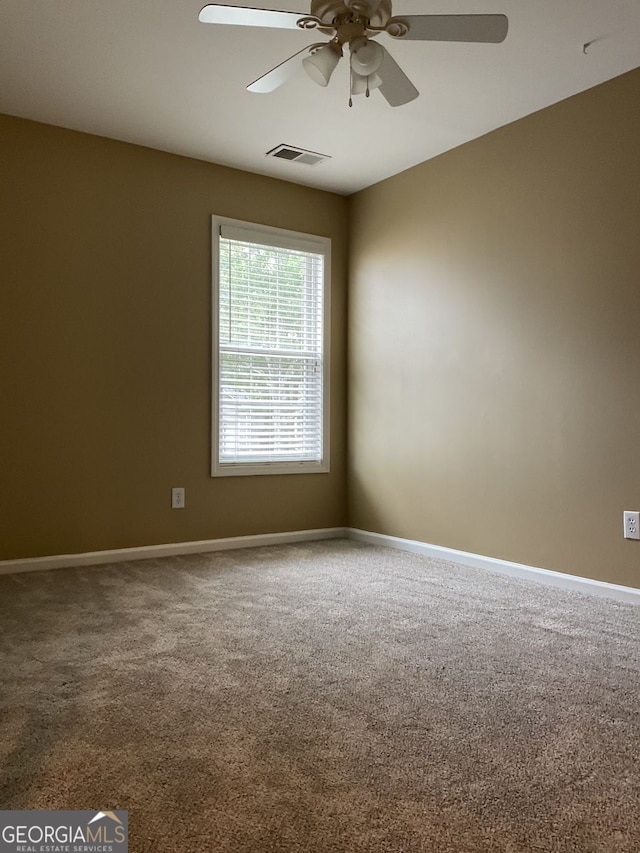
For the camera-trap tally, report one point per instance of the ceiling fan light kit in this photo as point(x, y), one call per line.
point(355, 23)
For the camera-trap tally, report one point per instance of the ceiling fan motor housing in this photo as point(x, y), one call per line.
point(333, 13)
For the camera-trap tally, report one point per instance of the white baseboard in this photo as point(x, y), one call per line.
point(146, 552)
point(464, 558)
point(504, 567)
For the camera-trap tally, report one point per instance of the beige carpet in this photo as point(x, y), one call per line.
point(322, 698)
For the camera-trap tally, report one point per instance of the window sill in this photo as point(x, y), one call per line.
point(242, 469)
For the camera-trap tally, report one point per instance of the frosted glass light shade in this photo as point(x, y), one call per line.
point(359, 84)
point(366, 56)
point(321, 64)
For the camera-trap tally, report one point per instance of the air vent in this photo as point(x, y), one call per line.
point(297, 155)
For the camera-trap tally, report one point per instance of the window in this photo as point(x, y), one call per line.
point(270, 342)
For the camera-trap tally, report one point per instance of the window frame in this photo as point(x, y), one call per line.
point(278, 237)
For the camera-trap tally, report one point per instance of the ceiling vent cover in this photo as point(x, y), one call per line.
point(297, 155)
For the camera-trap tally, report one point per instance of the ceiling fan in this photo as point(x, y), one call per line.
point(356, 23)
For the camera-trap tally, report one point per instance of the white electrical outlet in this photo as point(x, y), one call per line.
point(177, 498)
point(631, 525)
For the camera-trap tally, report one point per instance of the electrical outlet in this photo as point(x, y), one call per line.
point(631, 525)
point(177, 498)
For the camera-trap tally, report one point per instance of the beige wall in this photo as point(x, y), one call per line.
point(495, 342)
point(105, 347)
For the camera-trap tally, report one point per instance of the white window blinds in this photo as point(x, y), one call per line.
point(270, 348)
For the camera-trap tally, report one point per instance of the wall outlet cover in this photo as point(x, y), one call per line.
point(631, 522)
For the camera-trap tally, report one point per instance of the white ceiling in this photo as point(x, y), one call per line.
point(149, 73)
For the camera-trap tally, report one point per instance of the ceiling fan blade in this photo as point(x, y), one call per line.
point(472, 28)
point(396, 87)
point(244, 17)
point(281, 73)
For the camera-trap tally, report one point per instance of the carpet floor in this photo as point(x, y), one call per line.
point(327, 697)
